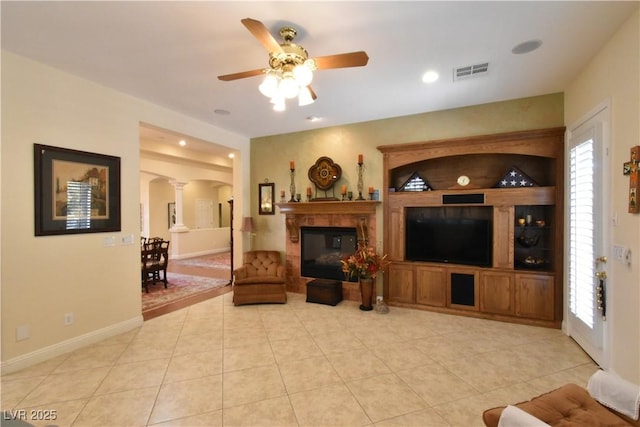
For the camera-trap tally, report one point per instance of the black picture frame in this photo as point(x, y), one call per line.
point(267, 198)
point(93, 196)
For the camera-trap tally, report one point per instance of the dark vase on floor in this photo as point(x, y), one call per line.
point(366, 293)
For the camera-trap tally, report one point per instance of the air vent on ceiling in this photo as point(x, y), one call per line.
point(469, 71)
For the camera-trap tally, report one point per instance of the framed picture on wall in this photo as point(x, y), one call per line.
point(171, 214)
point(266, 198)
point(75, 191)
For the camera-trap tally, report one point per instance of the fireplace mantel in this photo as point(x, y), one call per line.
point(356, 207)
point(295, 210)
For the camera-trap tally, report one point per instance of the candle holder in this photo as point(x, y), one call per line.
point(292, 186)
point(350, 195)
point(360, 184)
point(370, 194)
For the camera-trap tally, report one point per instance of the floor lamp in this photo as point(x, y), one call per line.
point(248, 227)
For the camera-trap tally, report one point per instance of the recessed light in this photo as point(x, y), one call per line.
point(430, 76)
point(526, 47)
point(313, 118)
point(231, 155)
point(182, 143)
point(222, 112)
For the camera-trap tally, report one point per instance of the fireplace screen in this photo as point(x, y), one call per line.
point(323, 248)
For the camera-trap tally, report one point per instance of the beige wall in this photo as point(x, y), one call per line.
point(614, 75)
point(42, 278)
point(161, 193)
point(344, 143)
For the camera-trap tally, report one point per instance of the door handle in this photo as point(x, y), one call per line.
point(601, 275)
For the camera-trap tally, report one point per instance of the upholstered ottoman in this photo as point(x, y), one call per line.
point(324, 291)
point(574, 406)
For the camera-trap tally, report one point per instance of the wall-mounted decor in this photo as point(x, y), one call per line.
point(634, 181)
point(324, 174)
point(171, 214)
point(266, 198)
point(75, 191)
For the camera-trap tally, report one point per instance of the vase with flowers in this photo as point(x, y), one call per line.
point(365, 264)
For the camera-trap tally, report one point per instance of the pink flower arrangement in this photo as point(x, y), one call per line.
point(365, 263)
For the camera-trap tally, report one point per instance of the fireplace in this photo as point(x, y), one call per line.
point(358, 215)
point(322, 248)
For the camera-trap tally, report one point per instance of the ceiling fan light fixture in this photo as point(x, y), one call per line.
point(305, 98)
point(290, 69)
point(279, 105)
point(269, 85)
point(289, 87)
point(303, 75)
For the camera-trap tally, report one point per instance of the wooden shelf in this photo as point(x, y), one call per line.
point(355, 207)
point(492, 196)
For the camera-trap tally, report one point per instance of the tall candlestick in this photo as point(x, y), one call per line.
point(360, 184)
point(292, 165)
point(360, 159)
point(292, 186)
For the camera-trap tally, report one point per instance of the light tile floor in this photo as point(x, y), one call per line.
point(299, 364)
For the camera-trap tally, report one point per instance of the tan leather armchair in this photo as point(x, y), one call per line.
point(261, 279)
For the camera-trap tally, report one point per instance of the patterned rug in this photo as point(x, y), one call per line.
point(220, 260)
point(180, 286)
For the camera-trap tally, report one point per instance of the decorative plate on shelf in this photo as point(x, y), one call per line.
point(324, 173)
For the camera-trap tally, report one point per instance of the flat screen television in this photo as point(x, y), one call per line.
point(455, 235)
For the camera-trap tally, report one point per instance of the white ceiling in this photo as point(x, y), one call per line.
point(170, 53)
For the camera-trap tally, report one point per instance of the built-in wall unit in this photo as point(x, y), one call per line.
point(474, 225)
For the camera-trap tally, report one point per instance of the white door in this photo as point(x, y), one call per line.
point(587, 233)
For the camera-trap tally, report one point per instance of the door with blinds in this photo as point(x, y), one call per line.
point(587, 234)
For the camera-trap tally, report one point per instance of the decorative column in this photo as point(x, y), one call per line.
point(179, 189)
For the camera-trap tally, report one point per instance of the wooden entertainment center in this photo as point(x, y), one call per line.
point(522, 281)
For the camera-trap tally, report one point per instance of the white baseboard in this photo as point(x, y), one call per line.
point(202, 253)
point(44, 354)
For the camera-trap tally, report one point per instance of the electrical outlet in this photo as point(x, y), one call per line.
point(618, 252)
point(126, 240)
point(23, 332)
point(68, 319)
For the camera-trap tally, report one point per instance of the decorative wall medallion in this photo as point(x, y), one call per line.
point(325, 173)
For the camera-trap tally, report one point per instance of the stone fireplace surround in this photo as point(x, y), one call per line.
point(360, 215)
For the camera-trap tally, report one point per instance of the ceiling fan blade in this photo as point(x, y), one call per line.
point(242, 75)
point(263, 35)
point(343, 60)
point(313, 94)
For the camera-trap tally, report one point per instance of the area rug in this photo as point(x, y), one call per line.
point(220, 260)
point(180, 286)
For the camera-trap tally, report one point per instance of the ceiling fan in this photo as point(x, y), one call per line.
point(290, 69)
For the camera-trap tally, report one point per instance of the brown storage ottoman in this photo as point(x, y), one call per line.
point(324, 291)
